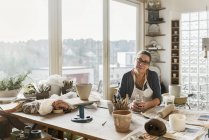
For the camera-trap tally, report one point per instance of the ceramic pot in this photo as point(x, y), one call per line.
point(9, 93)
point(122, 120)
point(83, 90)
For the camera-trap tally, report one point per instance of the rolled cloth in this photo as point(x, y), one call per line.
point(166, 110)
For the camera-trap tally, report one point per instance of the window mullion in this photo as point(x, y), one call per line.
point(55, 38)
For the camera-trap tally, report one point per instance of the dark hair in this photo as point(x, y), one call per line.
point(145, 53)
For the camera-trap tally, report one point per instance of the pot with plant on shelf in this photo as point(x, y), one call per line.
point(10, 86)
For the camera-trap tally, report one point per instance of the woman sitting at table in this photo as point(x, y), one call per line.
point(141, 83)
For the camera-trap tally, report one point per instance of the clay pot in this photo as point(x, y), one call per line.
point(83, 90)
point(122, 120)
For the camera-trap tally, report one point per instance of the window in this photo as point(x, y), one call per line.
point(194, 67)
point(78, 41)
point(82, 40)
point(122, 39)
point(24, 38)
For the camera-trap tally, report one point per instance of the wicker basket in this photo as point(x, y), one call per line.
point(180, 100)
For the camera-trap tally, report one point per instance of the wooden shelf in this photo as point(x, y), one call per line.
point(154, 22)
point(153, 16)
point(175, 51)
point(155, 9)
point(155, 35)
point(155, 49)
point(159, 62)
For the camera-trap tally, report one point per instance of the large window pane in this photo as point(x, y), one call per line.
point(24, 38)
point(123, 40)
point(82, 40)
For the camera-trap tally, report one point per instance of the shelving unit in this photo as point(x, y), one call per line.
point(152, 29)
point(175, 51)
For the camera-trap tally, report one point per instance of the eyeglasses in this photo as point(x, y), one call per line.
point(139, 60)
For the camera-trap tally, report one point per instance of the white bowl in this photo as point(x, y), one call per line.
point(83, 90)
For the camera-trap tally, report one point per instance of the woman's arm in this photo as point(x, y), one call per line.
point(154, 83)
point(126, 85)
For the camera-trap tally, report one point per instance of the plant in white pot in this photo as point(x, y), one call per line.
point(10, 86)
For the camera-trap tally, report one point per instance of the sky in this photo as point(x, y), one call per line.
point(80, 19)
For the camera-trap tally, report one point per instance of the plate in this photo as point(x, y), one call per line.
point(153, 29)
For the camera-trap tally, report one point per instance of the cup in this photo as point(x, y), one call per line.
point(110, 106)
point(169, 99)
point(174, 75)
point(122, 120)
point(175, 47)
point(176, 32)
point(175, 60)
point(83, 90)
point(175, 90)
point(177, 122)
point(138, 99)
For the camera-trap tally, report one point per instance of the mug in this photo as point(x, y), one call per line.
point(110, 106)
point(175, 60)
point(177, 122)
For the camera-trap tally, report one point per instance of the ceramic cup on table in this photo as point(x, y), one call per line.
point(175, 90)
point(122, 120)
point(83, 90)
point(177, 122)
point(168, 99)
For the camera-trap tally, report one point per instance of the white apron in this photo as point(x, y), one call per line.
point(145, 95)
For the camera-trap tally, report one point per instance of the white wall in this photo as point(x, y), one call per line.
point(173, 10)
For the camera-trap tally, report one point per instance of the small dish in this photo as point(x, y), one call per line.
point(58, 111)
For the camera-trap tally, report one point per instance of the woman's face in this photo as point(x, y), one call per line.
point(142, 63)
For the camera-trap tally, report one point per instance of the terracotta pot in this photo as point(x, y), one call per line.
point(122, 120)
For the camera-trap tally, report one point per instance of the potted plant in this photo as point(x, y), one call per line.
point(10, 86)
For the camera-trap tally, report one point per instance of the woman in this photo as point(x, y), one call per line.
point(141, 83)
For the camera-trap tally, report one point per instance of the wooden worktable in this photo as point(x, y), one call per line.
point(92, 130)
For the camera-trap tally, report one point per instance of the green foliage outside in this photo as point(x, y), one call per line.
point(14, 82)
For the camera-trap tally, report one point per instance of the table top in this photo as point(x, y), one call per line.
point(101, 127)
point(91, 130)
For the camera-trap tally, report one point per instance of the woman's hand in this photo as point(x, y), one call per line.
point(139, 106)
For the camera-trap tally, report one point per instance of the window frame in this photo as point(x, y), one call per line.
point(55, 38)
